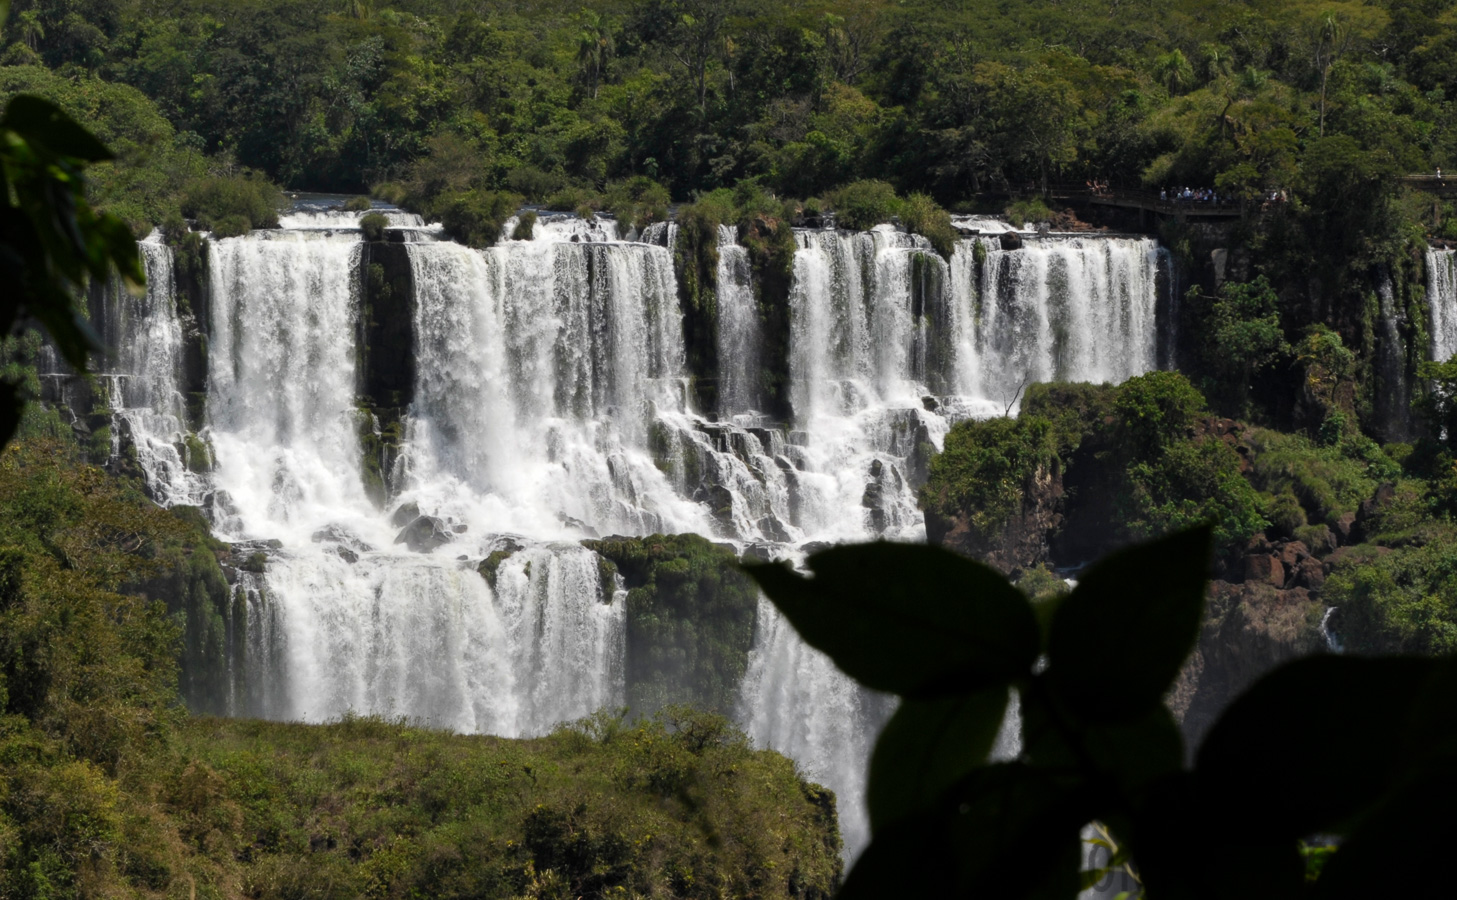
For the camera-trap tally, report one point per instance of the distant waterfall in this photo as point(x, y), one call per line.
point(549, 401)
point(1442, 301)
point(1061, 309)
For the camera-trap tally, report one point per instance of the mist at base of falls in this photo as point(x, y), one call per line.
point(552, 401)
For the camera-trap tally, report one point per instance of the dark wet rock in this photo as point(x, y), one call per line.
point(774, 530)
point(579, 525)
point(406, 514)
point(338, 534)
point(346, 554)
point(1010, 240)
point(459, 528)
point(810, 547)
point(424, 534)
point(760, 553)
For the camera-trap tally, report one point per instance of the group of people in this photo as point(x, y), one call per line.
point(1191, 195)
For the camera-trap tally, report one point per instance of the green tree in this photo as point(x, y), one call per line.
point(51, 241)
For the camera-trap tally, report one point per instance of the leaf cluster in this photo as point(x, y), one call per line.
point(957, 642)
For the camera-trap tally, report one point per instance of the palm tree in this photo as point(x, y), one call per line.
point(594, 49)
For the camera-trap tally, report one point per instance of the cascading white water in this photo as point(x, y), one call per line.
point(551, 404)
point(1060, 309)
point(739, 335)
point(1442, 301)
point(146, 376)
point(542, 365)
point(352, 622)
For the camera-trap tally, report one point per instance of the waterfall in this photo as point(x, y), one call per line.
point(1442, 301)
point(145, 376)
point(796, 701)
point(550, 403)
point(1061, 309)
point(739, 335)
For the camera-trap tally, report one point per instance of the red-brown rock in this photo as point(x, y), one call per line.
point(1262, 568)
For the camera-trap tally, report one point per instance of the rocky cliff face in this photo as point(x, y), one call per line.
point(1022, 542)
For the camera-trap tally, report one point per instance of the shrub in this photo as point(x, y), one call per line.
point(391, 192)
point(1155, 410)
point(985, 468)
point(572, 198)
point(922, 215)
point(358, 204)
point(636, 203)
point(864, 204)
point(373, 226)
point(525, 226)
point(476, 218)
point(232, 204)
point(1020, 212)
point(533, 184)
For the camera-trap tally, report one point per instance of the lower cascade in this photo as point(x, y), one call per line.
point(417, 552)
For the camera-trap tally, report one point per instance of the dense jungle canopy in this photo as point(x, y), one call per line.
point(946, 98)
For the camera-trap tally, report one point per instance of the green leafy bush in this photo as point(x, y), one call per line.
point(924, 216)
point(358, 204)
point(636, 202)
point(232, 205)
point(861, 205)
point(373, 225)
point(525, 226)
point(476, 218)
point(986, 468)
point(1024, 212)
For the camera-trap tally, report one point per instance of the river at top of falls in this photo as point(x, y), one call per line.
point(552, 402)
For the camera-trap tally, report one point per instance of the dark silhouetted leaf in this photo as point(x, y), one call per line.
point(909, 619)
point(927, 747)
point(1337, 726)
point(1184, 854)
point(42, 122)
point(1397, 850)
point(1118, 640)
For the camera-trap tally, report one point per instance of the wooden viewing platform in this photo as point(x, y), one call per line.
point(1146, 201)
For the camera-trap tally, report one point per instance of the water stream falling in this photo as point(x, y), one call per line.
point(1442, 301)
point(551, 403)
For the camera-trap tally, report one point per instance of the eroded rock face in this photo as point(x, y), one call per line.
point(1021, 543)
point(425, 534)
point(1248, 630)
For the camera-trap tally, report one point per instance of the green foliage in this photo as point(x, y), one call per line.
point(864, 204)
point(52, 243)
point(1401, 600)
point(636, 202)
point(986, 468)
point(233, 205)
point(476, 218)
point(358, 204)
point(525, 225)
point(921, 215)
point(1097, 743)
point(1155, 411)
point(1244, 340)
point(373, 226)
point(690, 620)
point(1024, 212)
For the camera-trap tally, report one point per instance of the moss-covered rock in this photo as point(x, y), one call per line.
point(690, 619)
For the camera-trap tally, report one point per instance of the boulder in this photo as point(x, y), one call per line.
point(406, 514)
point(1261, 568)
point(1292, 553)
point(1010, 240)
point(424, 534)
